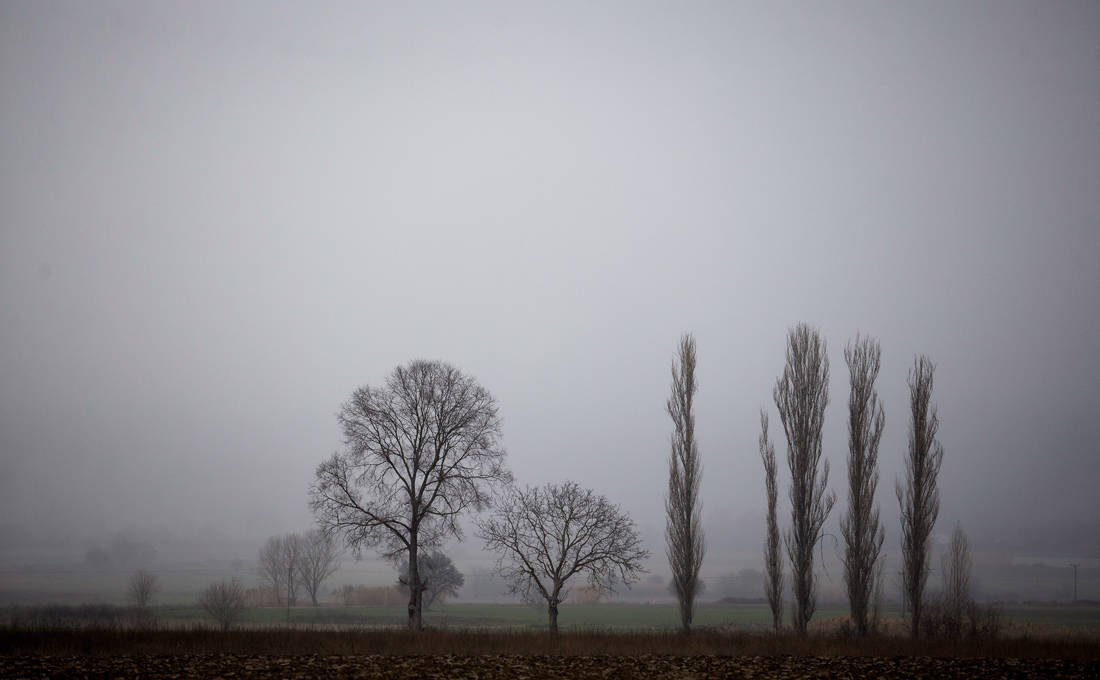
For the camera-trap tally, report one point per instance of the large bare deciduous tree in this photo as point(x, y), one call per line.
point(773, 560)
point(318, 560)
point(684, 529)
point(801, 395)
point(919, 498)
point(142, 586)
point(419, 451)
point(862, 531)
point(547, 535)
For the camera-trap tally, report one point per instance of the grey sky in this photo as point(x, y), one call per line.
point(218, 219)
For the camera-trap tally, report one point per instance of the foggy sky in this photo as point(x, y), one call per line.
point(219, 219)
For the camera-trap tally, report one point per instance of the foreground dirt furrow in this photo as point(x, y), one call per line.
point(490, 667)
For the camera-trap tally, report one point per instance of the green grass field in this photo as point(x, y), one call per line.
point(603, 617)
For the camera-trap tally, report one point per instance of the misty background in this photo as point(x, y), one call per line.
point(219, 219)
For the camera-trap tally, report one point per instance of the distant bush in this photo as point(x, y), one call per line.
point(742, 600)
point(223, 601)
point(367, 596)
point(105, 616)
point(261, 596)
point(971, 621)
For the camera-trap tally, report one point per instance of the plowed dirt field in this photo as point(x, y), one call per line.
point(494, 667)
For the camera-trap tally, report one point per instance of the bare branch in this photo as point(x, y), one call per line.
point(224, 602)
point(318, 560)
point(547, 535)
point(142, 586)
point(801, 395)
point(773, 563)
point(863, 534)
point(418, 452)
point(919, 498)
point(684, 540)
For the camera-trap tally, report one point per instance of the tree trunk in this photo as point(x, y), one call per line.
point(416, 622)
point(553, 611)
point(289, 576)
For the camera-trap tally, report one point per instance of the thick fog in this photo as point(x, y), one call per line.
point(219, 219)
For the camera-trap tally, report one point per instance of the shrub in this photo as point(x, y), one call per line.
point(940, 620)
point(223, 601)
point(84, 616)
point(372, 596)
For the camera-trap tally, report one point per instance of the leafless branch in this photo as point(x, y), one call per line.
point(223, 601)
point(863, 534)
point(319, 559)
point(418, 452)
point(547, 535)
point(919, 498)
point(773, 563)
point(142, 586)
point(684, 540)
point(801, 395)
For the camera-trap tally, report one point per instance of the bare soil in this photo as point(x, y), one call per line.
point(519, 667)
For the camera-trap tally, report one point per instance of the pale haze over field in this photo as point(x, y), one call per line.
point(219, 219)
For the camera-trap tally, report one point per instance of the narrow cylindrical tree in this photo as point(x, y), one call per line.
point(955, 565)
point(919, 498)
point(863, 535)
point(773, 562)
point(684, 530)
point(801, 395)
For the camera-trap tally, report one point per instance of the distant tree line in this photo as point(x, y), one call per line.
point(425, 447)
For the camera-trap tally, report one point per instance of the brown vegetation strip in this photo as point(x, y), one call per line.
point(515, 667)
point(37, 642)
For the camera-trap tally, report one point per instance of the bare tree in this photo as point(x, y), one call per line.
point(863, 534)
point(224, 602)
point(439, 575)
point(801, 394)
point(269, 566)
point(547, 535)
point(279, 566)
point(919, 498)
point(956, 565)
point(684, 530)
point(318, 561)
point(142, 586)
point(419, 452)
point(773, 562)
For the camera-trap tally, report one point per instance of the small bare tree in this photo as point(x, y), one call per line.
point(547, 535)
point(269, 566)
point(279, 566)
point(142, 587)
point(318, 560)
point(956, 565)
point(863, 534)
point(224, 602)
point(684, 530)
point(801, 394)
point(919, 498)
point(440, 577)
point(773, 561)
point(419, 452)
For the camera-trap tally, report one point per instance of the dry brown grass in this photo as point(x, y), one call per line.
point(22, 642)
